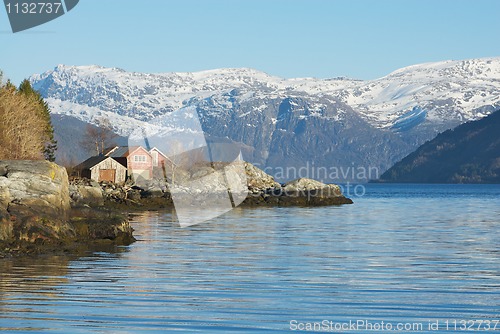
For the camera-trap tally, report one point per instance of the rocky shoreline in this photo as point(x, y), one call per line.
point(37, 214)
point(41, 209)
point(263, 190)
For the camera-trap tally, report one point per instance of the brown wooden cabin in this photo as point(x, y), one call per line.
point(102, 168)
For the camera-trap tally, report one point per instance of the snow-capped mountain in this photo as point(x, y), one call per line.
point(287, 122)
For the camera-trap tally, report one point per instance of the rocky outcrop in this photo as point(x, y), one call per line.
point(300, 192)
point(85, 192)
point(319, 189)
point(92, 224)
point(35, 208)
point(30, 187)
point(34, 201)
point(201, 180)
point(258, 180)
point(264, 190)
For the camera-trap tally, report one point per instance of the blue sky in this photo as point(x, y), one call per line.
point(292, 38)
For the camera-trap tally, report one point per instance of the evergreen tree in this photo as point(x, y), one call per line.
point(10, 86)
point(50, 145)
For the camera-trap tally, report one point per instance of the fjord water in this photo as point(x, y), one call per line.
point(399, 254)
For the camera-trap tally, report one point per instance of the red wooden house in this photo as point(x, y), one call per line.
point(136, 159)
point(162, 165)
point(159, 158)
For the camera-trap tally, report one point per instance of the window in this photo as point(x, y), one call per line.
point(140, 158)
point(155, 158)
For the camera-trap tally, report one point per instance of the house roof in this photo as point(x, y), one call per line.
point(91, 162)
point(123, 151)
point(157, 150)
point(110, 149)
point(119, 152)
point(163, 154)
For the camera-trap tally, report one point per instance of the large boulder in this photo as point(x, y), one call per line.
point(303, 184)
point(34, 201)
point(85, 192)
point(258, 180)
point(113, 192)
point(312, 187)
point(86, 195)
point(35, 209)
point(34, 186)
point(4, 196)
point(300, 192)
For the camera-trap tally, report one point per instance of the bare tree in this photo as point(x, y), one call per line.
point(180, 159)
point(176, 148)
point(98, 137)
point(69, 163)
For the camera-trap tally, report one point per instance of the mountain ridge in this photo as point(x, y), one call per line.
point(470, 153)
point(211, 81)
point(340, 122)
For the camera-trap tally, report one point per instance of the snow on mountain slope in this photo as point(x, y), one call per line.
point(93, 115)
point(284, 122)
point(448, 90)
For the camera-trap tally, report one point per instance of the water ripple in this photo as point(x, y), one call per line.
point(400, 254)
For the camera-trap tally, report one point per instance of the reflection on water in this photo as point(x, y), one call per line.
point(32, 284)
point(397, 255)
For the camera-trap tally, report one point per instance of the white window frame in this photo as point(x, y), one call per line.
point(140, 158)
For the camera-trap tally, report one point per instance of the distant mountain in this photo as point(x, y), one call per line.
point(468, 154)
point(340, 123)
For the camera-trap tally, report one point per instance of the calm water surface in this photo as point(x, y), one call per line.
point(401, 254)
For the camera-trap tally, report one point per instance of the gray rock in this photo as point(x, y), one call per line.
point(94, 183)
point(4, 193)
point(6, 229)
point(201, 172)
point(134, 195)
point(154, 192)
point(38, 185)
point(35, 209)
point(87, 195)
point(311, 187)
point(180, 176)
point(303, 184)
point(34, 201)
point(258, 180)
point(3, 170)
